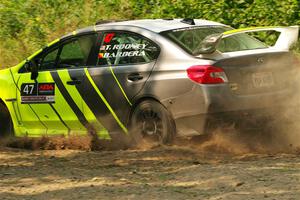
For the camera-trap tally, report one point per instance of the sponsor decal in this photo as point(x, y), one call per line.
point(109, 37)
point(37, 99)
point(192, 28)
point(46, 89)
point(37, 93)
point(100, 55)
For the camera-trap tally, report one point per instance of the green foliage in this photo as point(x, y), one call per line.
point(27, 25)
point(239, 13)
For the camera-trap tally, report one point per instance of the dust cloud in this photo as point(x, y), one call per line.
point(279, 133)
point(274, 129)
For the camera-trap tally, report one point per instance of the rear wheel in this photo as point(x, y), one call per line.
point(6, 125)
point(152, 122)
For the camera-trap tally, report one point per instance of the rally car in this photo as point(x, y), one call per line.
point(158, 77)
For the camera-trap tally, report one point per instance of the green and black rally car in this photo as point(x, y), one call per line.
point(160, 77)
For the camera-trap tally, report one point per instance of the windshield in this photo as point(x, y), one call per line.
point(191, 38)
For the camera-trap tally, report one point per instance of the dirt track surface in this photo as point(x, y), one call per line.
point(157, 173)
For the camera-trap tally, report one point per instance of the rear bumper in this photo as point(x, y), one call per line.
point(222, 99)
point(207, 104)
point(205, 123)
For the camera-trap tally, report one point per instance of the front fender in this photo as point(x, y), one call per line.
point(7, 86)
point(8, 95)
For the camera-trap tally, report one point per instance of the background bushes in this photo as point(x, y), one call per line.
point(27, 25)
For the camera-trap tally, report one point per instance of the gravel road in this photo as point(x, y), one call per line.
point(160, 172)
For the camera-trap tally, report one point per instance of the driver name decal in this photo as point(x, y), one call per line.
point(122, 50)
point(122, 54)
point(123, 46)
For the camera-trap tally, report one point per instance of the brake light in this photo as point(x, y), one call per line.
point(207, 74)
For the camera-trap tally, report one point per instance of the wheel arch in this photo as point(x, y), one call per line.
point(144, 98)
point(4, 109)
point(2, 103)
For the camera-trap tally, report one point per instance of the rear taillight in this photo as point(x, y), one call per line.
point(206, 74)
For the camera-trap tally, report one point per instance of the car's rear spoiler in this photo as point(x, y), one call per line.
point(288, 35)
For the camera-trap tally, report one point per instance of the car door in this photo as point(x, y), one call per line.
point(53, 96)
point(37, 113)
point(125, 61)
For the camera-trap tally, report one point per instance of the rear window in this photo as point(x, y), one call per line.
point(240, 42)
point(190, 39)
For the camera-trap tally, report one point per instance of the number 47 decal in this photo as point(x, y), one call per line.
point(29, 89)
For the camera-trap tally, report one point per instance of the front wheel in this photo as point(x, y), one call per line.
point(6, 125)
point(152, 122)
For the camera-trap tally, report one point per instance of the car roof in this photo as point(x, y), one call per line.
point(154, 25)
point(160, 25)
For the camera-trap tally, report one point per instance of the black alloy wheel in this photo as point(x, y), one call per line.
point(151, 121)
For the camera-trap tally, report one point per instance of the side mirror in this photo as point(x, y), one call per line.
point(209, 44)
point(32, 67)
point(34, 72)
point(28, 66)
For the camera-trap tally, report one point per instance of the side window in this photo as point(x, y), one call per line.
point(123, 48)
point(48, 62)
point(76, 53)
point(73, 53)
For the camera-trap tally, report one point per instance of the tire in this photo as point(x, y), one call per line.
point(6, 125)
point(152, 122)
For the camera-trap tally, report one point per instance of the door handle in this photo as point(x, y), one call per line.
point(74, 82)
point(135, 77)
point(11, 100)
